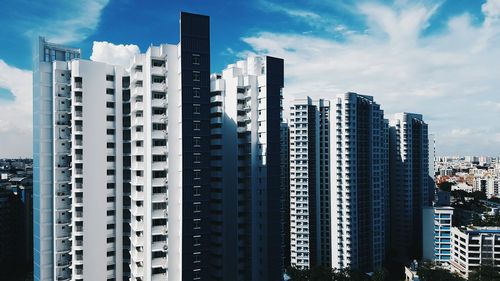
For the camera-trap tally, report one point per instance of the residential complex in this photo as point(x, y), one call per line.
point(133, 167)
point(160, 170)
point(410, 185)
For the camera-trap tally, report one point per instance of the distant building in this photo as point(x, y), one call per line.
point(16, 234)
point(473, 247)
point(411, 272)
point(436, 231)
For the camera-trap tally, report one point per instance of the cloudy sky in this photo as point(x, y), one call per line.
point(438, 58)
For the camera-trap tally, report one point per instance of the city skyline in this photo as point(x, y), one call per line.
point(410, 60)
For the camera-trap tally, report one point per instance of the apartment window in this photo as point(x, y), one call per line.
point(159, 174)
point(196, 141)
point(196, 76)
point(196, 190)
point(158, 79)
point(158, 95)
point(110, 159)
point(196, 174)
point(110, 172)
point(159, 189)
point(110, 226)
point(196, 92)
point(110, 104)
point(110, 253)
point(138, 129)
point(197, 223)
point(197, 207)
point(196, 59)
point(110, 145)
point(110, 185)
point(159, 142)
point(196, 157)
point(159, 206)
point(110, 78)
point(196, 125)
point(110, 91)
point(138, 158)
point(159, 111)
point(196, 109)
point(110, 118)
point(110, 131)
point(138, 143)
point(159, 126)
point(159, 158)
point(110, 199)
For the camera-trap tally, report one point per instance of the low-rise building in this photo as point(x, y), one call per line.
point(473, 247)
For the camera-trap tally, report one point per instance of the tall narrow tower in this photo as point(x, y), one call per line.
point(359, 185)
point(409, 184)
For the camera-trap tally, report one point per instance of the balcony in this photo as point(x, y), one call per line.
point(216, 109)
point(159, 118)
point(137, 180)
point(162, 197)
point(159, 103)
point(159, 87)
point(137, 195)
point(138, 106)
point(137, 92)
point(158, 70)
point(137, 210)
point(159, 150)
point(159, 229)
point(217, 98)
point(137, 121)
point(136, 270)
point(137, 241)
point(159, 182)
point(137, 76)
point(159, 262)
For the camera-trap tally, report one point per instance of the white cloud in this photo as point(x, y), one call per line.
point(444, 75)
point(70, 21)
point(16, 115)
point(113, 54)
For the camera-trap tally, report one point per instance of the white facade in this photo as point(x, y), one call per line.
point(153, 76)
point(309, 183)
point(112, 199)
point(436, 230)
point(473, 247)
point(245, 138)
point(359, 182)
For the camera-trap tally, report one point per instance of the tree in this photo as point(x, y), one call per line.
point(429, 272)
point(485, 273)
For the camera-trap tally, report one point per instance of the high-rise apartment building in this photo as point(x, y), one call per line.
point(410, 184)
point(285, 191)
point(122, 162)
point(309, 183)
point(436, 233)
point(246, 174)
point(359, 182)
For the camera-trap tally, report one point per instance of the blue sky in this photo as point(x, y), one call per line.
point(438, 58)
